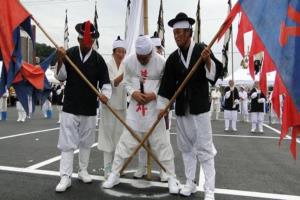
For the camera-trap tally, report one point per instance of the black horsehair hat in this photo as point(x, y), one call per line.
point(93, 31)
point(181, 17)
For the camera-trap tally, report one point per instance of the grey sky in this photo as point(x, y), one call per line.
point(111, 22)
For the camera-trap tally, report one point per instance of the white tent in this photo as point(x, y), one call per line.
point(243, 77)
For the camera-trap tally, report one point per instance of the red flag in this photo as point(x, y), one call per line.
point(34, 74)
point(227, 23)
point(244, 27)
point(12, 14)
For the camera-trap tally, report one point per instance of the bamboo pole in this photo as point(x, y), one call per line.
point(178, 91)
point(98, 94)
point(146, 32)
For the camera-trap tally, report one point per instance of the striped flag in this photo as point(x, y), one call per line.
point(96, 44)
point(66, 33)
point(160, 24)
point(197, 33)
point(226, 46)
point(127, 17)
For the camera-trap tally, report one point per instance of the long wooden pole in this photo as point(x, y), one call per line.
point(146, 32)
point(98, 94)
point(178, 91)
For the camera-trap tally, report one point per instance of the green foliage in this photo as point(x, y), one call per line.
point(43, 51)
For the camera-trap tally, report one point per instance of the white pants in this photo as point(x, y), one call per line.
point(257, 119)
point(3, 104)
point(21, 112)
point(244, 110)
point(215, 108)
point(230, 115)
point(76, 131)
point(160, 145)
point(45, 107)
point(66, 161)
point(196, 143)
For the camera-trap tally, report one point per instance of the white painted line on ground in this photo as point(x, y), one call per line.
point(158, 184)
point(278, 131)
point(256, 194)
point(28, 133)
point(246, 136)
point(52, 160)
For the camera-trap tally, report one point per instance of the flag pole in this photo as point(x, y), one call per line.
point(178, 91)
point(231, 36)
point(146, 32)
point(98, 93)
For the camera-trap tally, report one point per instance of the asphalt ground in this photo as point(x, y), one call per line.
point(249, 166)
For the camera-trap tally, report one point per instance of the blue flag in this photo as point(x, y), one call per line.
point(277, 22)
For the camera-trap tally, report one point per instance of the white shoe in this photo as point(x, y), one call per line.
point(234, 130)
point(140, 172)
point(84, 176)
point(112, 180)
point(188, 189)
point(173, 185)
point(64, 184)
point(209, 196)
point(226, 129)
point(261, 130)
point(252, 130)
point(58, 122)
point(163, 176)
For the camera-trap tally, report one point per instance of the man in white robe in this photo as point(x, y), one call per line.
point(215, 102)
point(243, 104)
point(142, 76)
point(142, 168)
point(110, 128)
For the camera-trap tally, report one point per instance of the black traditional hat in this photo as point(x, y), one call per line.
point(80, 29)
point(181, 17)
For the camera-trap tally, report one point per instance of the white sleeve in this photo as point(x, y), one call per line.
point(161, 102)
point(253, 95)
point(106, 90)
point(227, 94)
point(127, 81)
point(262, 100)
point(212, 73)
point(61, 75)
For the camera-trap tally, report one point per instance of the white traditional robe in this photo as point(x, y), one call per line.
point(215, 103)
point(110, 128)
point(244, 105)
point(141, 117)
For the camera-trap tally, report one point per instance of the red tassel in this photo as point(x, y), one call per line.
point(87, 39)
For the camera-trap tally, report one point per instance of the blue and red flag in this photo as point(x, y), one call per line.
point(275, 25)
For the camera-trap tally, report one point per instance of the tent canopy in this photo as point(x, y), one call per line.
point(243, 77)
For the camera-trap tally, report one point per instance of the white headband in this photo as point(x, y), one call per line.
point(182, 24)
point(156, 42)
point(119, 44)
point(143, 45)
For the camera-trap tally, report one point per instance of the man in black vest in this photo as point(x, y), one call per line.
point(78, 117)
point(231, 107)
point(192, 105)
point(257, 110)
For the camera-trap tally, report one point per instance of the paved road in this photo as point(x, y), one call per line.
point(249, 166)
